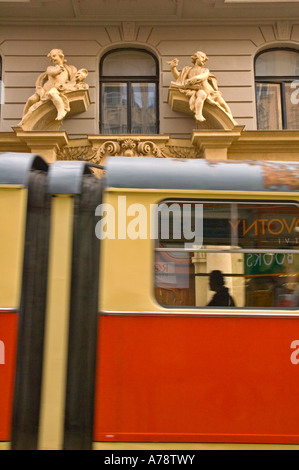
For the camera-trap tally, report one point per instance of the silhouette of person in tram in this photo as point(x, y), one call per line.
point(222, 297)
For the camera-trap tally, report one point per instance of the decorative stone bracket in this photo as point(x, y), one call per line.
point(42, 118)
point(214, 144)
point(98, 148)
point(129, 146)
point(215, 117)
point(45, 143)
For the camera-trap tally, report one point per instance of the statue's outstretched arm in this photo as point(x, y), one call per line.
point(173, 66)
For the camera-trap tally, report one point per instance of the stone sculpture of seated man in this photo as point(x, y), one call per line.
point(53, 83)
point(199, 84)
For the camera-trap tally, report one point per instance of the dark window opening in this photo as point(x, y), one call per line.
point(129, 93)
point(277, 89)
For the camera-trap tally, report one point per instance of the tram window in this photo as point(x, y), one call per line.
point(254, 245)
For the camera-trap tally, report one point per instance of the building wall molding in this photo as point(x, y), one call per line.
point(216, 144)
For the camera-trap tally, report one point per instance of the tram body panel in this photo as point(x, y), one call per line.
point(182, 379)
point(127, 264)
point(123, 286)
point(23, 229)
point(8, 350)
point(13, 201)
point(140, 365)
point(188, 375)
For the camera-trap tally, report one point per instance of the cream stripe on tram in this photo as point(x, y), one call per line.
point(51, 429)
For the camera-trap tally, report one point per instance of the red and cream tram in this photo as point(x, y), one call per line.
point(123, 339)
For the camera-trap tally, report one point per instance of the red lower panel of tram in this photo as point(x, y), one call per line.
point(196, 379)
point(8, 349)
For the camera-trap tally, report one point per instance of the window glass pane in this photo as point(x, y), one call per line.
point(114, 108)
point(264, 226)
point(143, 108)
point(269, 113)
point(174, 279)
point(1, 85)
point(292, 105)
point(129, 63)
point(279, 63)
point(259, 280)
point(246, 225)
point(255, 247)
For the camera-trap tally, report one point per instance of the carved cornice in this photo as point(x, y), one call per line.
point(177, 151)
point(129, 145)
point(98, 148)
point(235, 144)
point(81, 152)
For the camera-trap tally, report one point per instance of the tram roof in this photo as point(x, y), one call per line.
point(15, 167)
point(201, 174)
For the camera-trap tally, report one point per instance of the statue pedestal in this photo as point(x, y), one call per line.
point(215, 117)
point(214, 144)
point(43, 117)
point(44, 143)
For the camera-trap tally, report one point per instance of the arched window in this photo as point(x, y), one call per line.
point(129, 92)
point(277, 82)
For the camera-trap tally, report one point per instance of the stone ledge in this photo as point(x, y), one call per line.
point(215, 117)
point(43, 118)
point(44, 143)
point(234, 144)
point(215, 143)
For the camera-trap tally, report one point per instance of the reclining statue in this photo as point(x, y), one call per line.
point(54, 83)
point(199, 84)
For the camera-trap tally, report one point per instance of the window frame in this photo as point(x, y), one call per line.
point(1, 85)
point(128, 81)
point(236, 309)
point(280, 80)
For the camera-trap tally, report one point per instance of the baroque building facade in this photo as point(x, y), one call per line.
point(133, 53)
point(172, 79)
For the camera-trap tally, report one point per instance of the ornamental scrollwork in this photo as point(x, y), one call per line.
point(86, 153)
point(126, 147)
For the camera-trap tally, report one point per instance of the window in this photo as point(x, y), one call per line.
point(252, 246)
point(129, 92)
point(1, 85)
point(276, 78)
